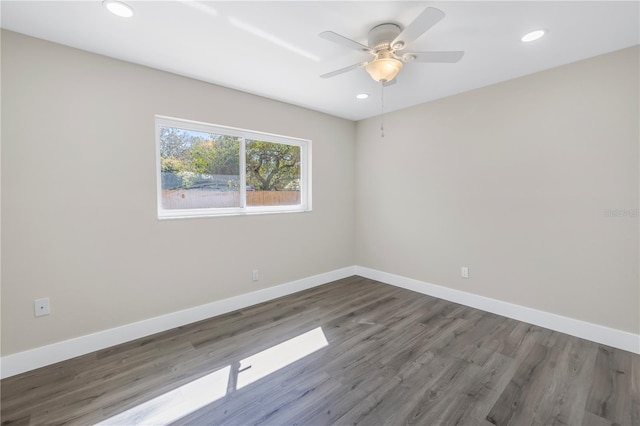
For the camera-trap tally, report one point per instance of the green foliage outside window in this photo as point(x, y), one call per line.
point(269, 166)
point(273, 166)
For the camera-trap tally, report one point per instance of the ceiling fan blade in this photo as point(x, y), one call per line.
point(347, 42)
point(434, 57)
point(343, 70)
point(427, 19)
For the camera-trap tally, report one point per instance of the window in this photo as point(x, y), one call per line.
point(210, 170)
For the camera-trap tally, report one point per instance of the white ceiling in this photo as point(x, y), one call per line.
point(272, 49)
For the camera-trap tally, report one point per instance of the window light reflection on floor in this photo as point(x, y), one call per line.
point(177, 403)
point(276, 357)
point(186, 399)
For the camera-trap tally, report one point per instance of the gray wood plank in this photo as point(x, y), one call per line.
point(519, 401)
point(610, 392)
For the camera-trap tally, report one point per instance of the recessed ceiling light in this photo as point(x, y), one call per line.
point(362, 96)
point(118, 8)
point(532, 36)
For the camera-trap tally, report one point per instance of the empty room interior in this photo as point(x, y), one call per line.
point(316, 213)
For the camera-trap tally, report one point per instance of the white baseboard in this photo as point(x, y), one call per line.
point(46, 355)
point(596, 333)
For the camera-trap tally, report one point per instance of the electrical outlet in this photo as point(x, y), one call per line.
point(255, 275)
point(464, 272)
point(41, 307)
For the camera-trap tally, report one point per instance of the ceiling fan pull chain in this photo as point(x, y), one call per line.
point(382, 109)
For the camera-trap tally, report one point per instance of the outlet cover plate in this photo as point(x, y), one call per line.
point(464, 272)
point(41, 307)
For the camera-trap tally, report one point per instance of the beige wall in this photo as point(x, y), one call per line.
point(79, 221)
point(514, 181)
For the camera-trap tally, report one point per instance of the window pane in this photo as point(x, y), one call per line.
point(273, 174)
point(199, 169)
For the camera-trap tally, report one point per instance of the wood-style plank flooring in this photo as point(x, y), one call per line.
point(393, 357)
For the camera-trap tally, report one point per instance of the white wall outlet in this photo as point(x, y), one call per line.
point(41, 307)
point(255, 275)
point(464, 272)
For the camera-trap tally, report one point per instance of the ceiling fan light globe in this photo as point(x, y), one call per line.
point(384, 69)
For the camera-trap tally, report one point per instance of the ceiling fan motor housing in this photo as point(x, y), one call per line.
point(381, 36)
point(386, 65)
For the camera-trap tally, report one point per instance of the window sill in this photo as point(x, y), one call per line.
point(209, 214)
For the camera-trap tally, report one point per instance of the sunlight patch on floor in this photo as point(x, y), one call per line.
point(177, 403)
point(188, 398)
point(279, 356)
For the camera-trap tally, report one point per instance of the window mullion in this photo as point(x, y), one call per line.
point(243, 173)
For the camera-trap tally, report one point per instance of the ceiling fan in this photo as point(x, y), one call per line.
point(387, 41)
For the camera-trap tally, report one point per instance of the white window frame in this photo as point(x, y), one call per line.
point(243, 134)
